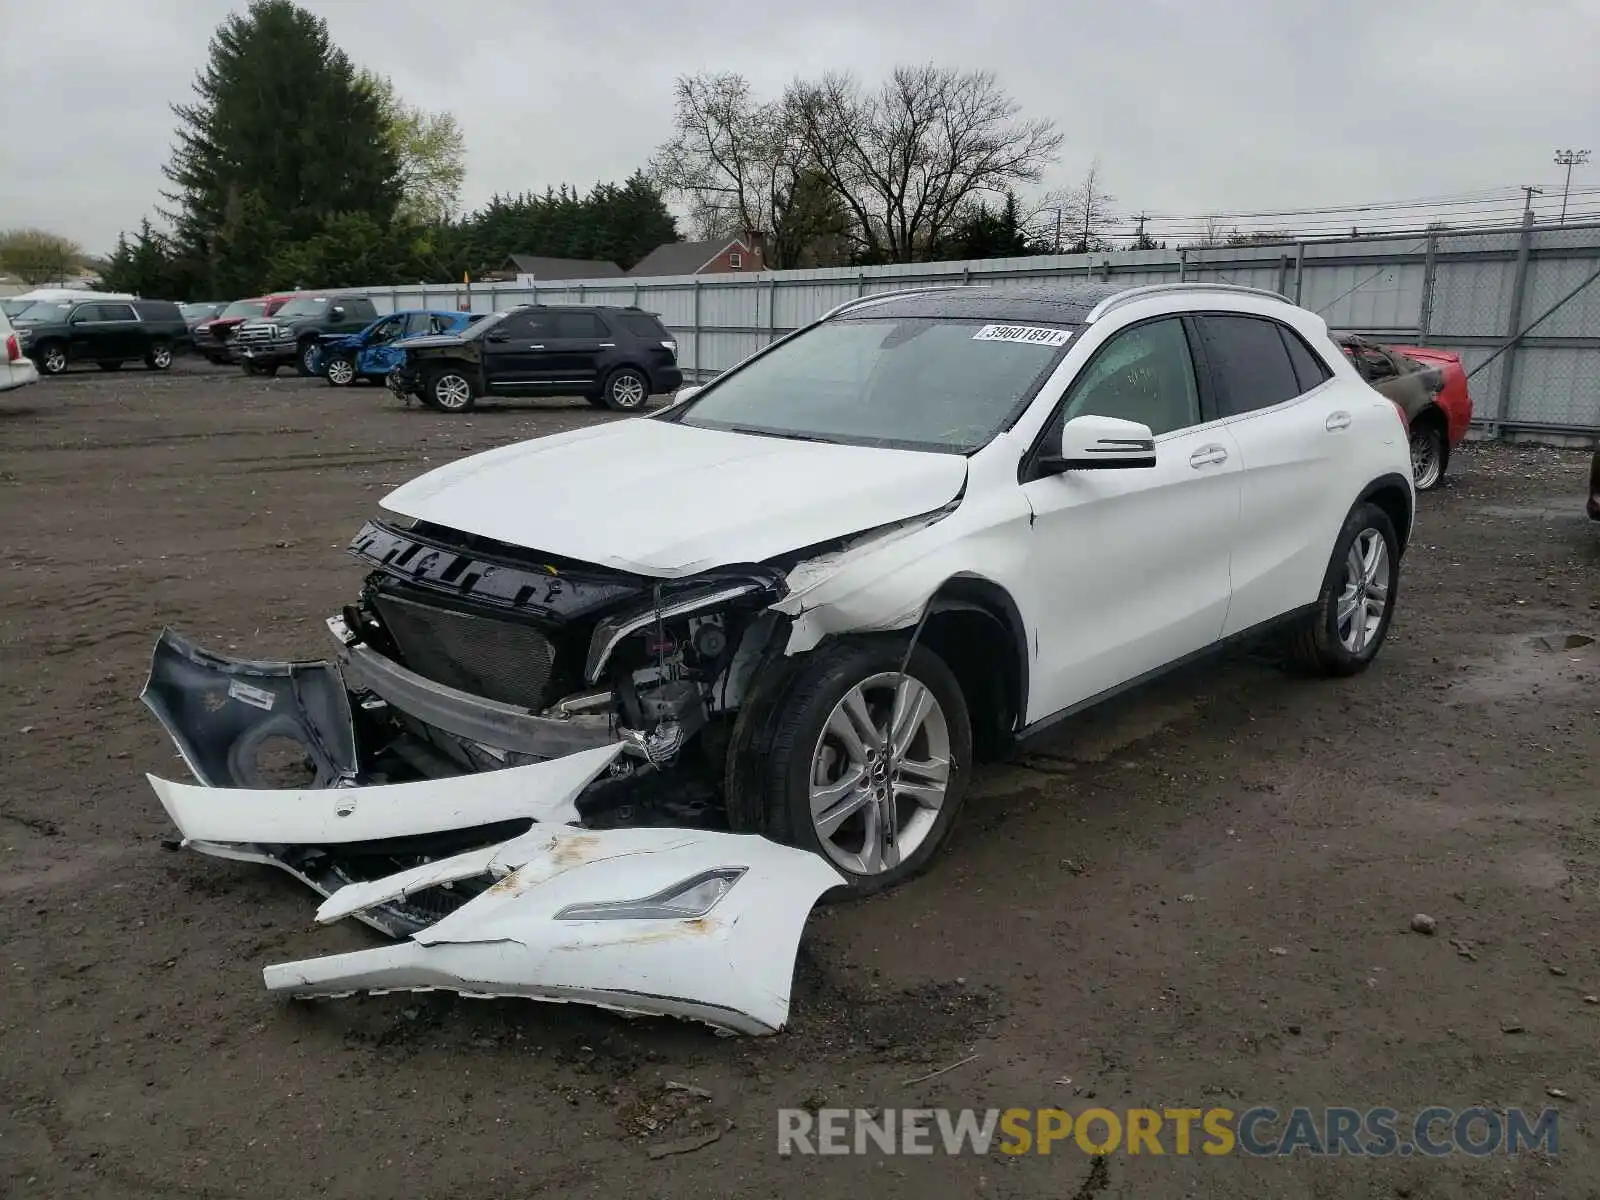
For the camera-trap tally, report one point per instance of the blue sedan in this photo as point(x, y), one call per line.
point(375, 351)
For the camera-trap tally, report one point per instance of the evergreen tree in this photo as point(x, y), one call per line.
point(283, 137)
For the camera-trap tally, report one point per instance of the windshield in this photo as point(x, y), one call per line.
point(42, 311)
point(244, 308)
point(915, 383)
point(191, 311)
point(314, 307)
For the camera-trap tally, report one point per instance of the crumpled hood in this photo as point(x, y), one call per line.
point(657, 498)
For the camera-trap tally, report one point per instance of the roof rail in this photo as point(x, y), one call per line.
point(874, 297)
point(1155, 289)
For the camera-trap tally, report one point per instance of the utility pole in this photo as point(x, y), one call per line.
point(1529, 193)
point(1569, 159)
point(1138, 239)
point(1058, 231)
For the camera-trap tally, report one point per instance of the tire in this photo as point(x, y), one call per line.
point(110, 364)
point(1428, 455)
point(340, 370)
point(52, 358)
point(448, 389)
point(160, 357)
point(1322, 645)
point(771, 784)
point(627, 389)
point(305, 359)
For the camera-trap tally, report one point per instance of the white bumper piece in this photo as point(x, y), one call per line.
point(664, 922)
point(659, 921)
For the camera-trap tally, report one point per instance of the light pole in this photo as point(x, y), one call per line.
point(1569, 159)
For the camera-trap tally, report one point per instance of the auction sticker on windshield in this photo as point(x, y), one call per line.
point(1032, 335)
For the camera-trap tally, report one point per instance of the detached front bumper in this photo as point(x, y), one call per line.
point(489, 877)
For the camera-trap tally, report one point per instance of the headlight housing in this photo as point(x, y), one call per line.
point(689, 898)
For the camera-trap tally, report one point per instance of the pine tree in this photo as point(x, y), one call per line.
point(283, 137)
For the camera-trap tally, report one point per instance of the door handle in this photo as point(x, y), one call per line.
point(608, 345)
point(540, 347)
point(1337, 421)
point(1208, 456)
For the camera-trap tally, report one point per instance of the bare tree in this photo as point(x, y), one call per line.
point(738, 164)
point(906, 157)
point(1087, 214)
point(36, 256)
point(1212, 233)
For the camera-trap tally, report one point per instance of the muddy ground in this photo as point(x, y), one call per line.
point(1198, 898)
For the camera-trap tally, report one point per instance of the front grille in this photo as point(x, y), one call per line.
point(249, 335)
point(482, 655)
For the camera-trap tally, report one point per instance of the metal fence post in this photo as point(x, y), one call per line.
point(697, 329)
point(1183, 264)
point(772, 309)
point(1283, 275)
point(861, 284)
point(1430, 264)
point(1519, 288)
point(1299, 270)
point(636, 294)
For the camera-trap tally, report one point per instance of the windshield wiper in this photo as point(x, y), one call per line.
point(793, 437)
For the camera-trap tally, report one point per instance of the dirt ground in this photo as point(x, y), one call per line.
point(1199, 897)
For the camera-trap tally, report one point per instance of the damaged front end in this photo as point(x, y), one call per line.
point(515, 764)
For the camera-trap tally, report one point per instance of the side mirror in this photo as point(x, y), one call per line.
point(686, 393)
point(1099, 444)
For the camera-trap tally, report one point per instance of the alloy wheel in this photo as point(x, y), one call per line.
point(880, 772)
point(1363, 592)
point(161, 358)
point(452, 393)
point(1426, 462)
point(627, 391)
point(341, 371)
point(55, 360)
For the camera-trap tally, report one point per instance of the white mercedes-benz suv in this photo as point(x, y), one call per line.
point(795, 604)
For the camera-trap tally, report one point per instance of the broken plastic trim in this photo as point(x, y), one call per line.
point(222, 713)
point(691, 898)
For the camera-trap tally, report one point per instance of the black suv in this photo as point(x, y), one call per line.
point(613, 357)
point(293, 333)
point(55, 333)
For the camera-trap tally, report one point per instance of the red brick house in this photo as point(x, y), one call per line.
point(720, 256)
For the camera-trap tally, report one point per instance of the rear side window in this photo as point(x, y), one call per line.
point(1309, 368)
point(643, 325)
point(579, 325)
point(116, 312)
point(1249, 363)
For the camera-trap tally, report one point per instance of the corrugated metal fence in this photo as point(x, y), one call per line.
point(1525, 302)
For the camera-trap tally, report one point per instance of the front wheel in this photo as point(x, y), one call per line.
point(864, 765)
point(159, 358)
point(341, 370)
point(626, 390)
point(1345, 631)
point(449, 390)
point(52, 358)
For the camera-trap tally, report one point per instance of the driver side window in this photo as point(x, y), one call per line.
point(1143, 374)
point(389, 330)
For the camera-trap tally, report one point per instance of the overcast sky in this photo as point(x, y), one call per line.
point(1226, 105)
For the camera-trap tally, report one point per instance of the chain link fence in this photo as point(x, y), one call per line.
point(1520, 306)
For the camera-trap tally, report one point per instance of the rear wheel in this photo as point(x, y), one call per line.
point(341, 370)
point(1427, 454)
point(449, 389)
point(626, 390)
point(305, 359)
point(1351, 619)
point(862, 765)
point(160, 357)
